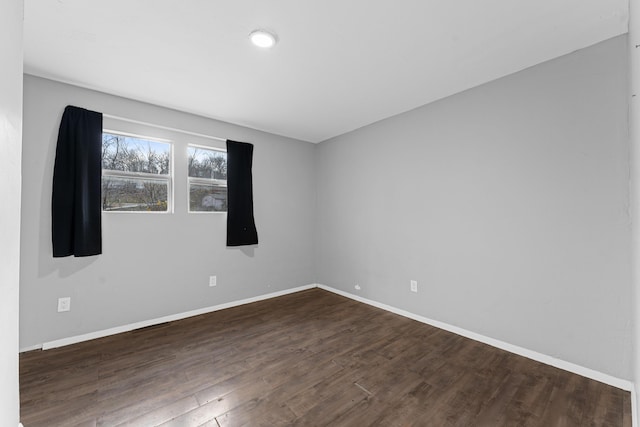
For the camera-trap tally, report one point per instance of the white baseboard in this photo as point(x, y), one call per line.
point(157, 321)
point(30, 348)
point(543, 358)
point(539, 357)
point(534, 355)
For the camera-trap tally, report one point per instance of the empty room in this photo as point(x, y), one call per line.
point(311, 213)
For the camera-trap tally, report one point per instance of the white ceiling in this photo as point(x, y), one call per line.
point(339, 64)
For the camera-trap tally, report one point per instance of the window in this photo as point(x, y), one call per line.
point(136, 174)
point(207, 179)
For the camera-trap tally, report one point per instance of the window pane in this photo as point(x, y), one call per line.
point(207, 198)
point(206, 163)
point(134, 194)
point(129, 154)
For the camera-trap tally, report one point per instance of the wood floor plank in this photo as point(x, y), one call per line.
point(164, 414)
point(208, 411)
point(128, 402)
point(410, 408)
point(311, 358)
point(257, 412)
point(329, 407)
point(385, 387)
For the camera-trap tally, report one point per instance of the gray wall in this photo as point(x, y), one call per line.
point(155, 265)
point(10, 152)
point(508, 203)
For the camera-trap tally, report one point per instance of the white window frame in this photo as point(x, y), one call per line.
point(143, 175)
point(203, 181)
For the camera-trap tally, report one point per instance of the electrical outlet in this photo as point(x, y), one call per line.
point(358, 287)
point(64, 304)
point(414, 286)
point(213, 281)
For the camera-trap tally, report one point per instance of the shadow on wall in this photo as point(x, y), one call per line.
point(247, 250)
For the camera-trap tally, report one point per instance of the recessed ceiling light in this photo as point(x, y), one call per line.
point(263, 38)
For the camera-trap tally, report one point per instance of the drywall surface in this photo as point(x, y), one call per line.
point(634, 142)
point(10, 152)
point(507, 203)
point(156, 265)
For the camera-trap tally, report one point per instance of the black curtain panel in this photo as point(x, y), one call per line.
point(241, 227)
point(75, 204)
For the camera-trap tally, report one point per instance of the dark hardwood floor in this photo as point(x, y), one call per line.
point(307, 359)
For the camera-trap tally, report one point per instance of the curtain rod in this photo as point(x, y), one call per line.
point(138, 122)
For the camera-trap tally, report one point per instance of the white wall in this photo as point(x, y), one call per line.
point(508, 203)
point(10, 153)
point(155, 265)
